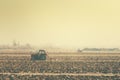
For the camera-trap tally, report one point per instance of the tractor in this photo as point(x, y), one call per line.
point(41, 55)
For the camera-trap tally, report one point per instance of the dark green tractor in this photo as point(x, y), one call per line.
point(41, 55)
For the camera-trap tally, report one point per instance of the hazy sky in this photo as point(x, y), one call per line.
point(63, 23)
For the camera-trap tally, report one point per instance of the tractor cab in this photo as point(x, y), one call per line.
point(41, 55)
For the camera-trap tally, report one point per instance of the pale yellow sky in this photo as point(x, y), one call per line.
point(62, 23)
